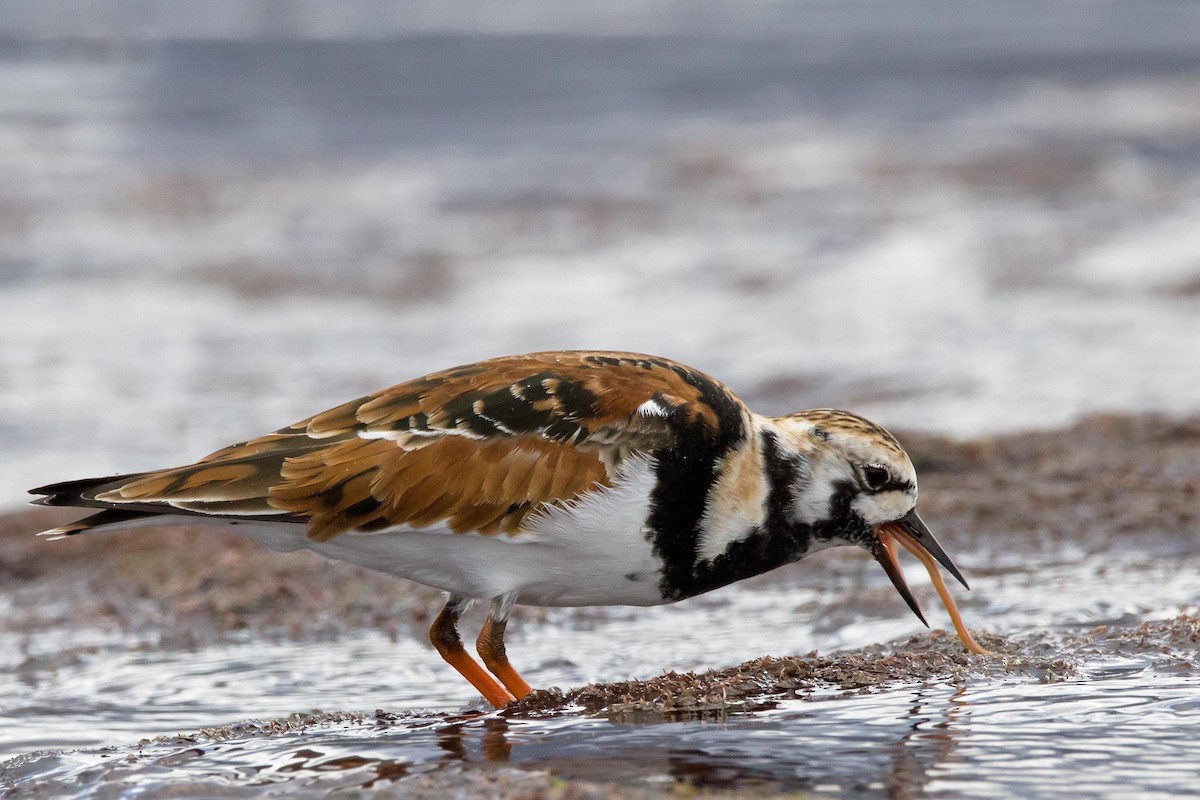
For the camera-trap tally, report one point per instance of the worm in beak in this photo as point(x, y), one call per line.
point(910, 532)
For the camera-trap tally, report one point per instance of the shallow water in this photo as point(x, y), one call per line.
point(1119, 733)
point(76, 705)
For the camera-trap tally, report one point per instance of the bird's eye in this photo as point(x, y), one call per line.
point(875, 476)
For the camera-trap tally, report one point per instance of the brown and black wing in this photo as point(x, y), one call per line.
point(479, 447)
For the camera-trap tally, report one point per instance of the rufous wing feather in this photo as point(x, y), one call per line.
point(475, 448)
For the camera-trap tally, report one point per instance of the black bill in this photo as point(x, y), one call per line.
point(911, 524)
point(887, 560)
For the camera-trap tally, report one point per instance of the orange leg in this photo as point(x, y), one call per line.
point(490, 645)
point(444, 636)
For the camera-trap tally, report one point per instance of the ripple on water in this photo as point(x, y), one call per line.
point(1112, 737)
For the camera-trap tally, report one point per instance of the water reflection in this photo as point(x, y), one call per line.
point(494, 744)
point(897, 754)
point(927, 744)
point(989, 739)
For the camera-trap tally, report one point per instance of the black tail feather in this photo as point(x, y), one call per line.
point(73, 493)
point(109, 516)
point(82, 494)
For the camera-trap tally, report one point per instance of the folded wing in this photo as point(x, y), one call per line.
point(475, 448)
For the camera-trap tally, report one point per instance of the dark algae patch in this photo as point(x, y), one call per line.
point(761, 683)
point(936, 656)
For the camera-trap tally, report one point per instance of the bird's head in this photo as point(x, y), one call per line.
point(854, 484)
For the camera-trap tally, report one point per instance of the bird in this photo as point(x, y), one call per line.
point(564, 478)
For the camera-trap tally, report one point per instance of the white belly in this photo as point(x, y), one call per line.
point(593, 552)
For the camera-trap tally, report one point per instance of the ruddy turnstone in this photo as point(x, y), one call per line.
point(549, 479)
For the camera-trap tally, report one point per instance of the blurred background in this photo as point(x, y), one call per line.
point(218, 217)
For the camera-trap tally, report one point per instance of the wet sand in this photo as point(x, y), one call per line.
point(1105, 485)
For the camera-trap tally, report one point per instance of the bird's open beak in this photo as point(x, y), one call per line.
point(917, 539)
